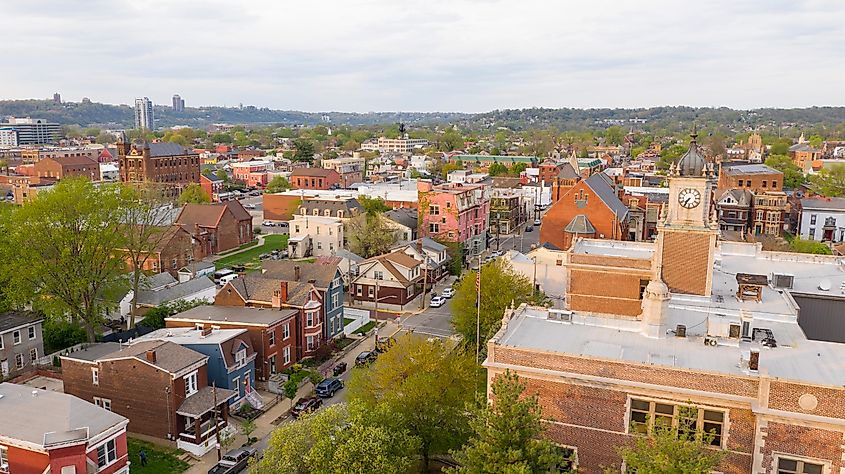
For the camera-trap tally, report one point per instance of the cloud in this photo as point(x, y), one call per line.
point(455, 55)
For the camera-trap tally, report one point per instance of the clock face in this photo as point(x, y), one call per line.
point(689, 198)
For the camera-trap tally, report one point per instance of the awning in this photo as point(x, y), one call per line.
point(202, 402)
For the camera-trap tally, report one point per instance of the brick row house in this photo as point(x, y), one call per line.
point(688, 327)
point(169, 164)
point(216, 227)
point(455, 212)
point(391, 280)
point(212, 185)
point(49, 432)
point(21, 342)
point(750, 199)
point(270, 331)
point(315, 178)
point(161, 387)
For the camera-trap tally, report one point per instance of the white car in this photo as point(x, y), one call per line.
point(448, 292)
point(437, 301)
point(249, 206)
point(537, 222)
point(268, 224)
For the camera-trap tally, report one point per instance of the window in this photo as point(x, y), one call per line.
point(4, 458)
point(18, 361)
point(316, 212)
point(271, 338)
point(190, 384)
point(95, 376)
point(310, 319)
point(812, 234)
point(31, 331)
point(764, 183)
point(198, 326)
point(812, 219)
point(434, 210)
point(106, 453)
point(748, 183)
point(378, 275)
point(319, 244)
point(310, 342)
point(448, 204)
point(286, 354)
point(689, 421)
point(286, 331)
point(16, 337)
point(103, 403)
point(570, 456)
point(1, 341)
point(370, 291)
point(240, 356)
point(433, 227)
point(795, 466)
point(335, 300)
point(359, 290)
point(327, 213)
point(33, 354)
point(236, 382)
point(774, 184)
point(272, 362)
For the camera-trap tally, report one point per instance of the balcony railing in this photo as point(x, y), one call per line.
point(206, 431)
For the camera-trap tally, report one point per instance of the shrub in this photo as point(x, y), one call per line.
point(60, 334)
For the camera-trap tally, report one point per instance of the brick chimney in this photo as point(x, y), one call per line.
point(296, 273)
point(151, 356)
point(754, 360)
point(280, 296)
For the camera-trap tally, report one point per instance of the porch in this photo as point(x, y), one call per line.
point(203, 418)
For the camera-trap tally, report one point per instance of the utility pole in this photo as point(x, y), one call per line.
point(478, 313)
point(425, 281)
point(216, 424)
point(376, 300)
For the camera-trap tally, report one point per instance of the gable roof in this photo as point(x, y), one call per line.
point(209, 215)
point(600, 185)
point(158, 281)
point(164, 149)
point(14, 319)
point(741, 197)
point(402, 216)
point(238, 210)
point(258, 287)
point(322, 270)
point(175, 292)
point(313, 172)
point(568, 172)
point(45, 418)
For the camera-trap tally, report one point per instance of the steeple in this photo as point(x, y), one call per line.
point(573, 160)
point(801, 139)
point(693, 162)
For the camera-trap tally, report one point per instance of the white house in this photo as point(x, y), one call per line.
point(822, 219)
point(312, 236)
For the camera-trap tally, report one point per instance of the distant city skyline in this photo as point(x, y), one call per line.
point(458, 55)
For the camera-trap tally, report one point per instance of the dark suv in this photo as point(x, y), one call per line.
point(366, 357)
point(327, 388)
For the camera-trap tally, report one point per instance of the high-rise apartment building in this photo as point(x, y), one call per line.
point(29, 131)
point(144, 114)
point(178, 103)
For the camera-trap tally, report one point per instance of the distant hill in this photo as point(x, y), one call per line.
point(668, 118)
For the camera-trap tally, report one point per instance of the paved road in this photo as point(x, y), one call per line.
point(432, 321)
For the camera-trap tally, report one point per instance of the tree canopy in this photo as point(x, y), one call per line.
point(373, 205)
point(304, 149)
point(793, 177)
point(369, 235)
point(277, 185)
point(829, 181)
point(506, 435)
point(194, 194)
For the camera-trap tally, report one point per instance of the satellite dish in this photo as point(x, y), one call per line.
point(824, 285)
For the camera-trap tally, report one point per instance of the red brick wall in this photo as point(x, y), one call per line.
point(784, 396)
point(802, 441)
point(279, 207)
point(685, 262)
point(71, 456)
point(564, 210)
point(27, 462)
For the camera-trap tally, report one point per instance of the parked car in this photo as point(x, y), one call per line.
point(255, 193)
point(537, 222)
point(305, 405)
point(339, 369)
point(366, 357)
point(249, 206)
point(264, 256)
point(497, 254)
point(238, 268)
point(327, 388)
point(268, 224)
point(529, 228)
point(234, 461)
point(448, 292)
point(437, 301)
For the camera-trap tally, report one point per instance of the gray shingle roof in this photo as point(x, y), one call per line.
point(235, 314)
point(12, 319)
point(42, 417)
point(202, 402)
point(157, 281)
point(599, 184)
point(168, 149)
point(405, 217)
point(175, 292)
point(836, 203)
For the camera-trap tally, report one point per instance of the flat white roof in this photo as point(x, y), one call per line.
point(614, 248)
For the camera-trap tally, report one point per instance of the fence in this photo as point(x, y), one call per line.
point(360, 317)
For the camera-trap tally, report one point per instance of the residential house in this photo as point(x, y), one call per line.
point(756, 178)
point(591, 208)
point(271, 331)
point(172, 165)
point(212, 185)
point(315, 178)
point(160, 289)
point(160, 386)
point(50, 432)
point(770, 213)
point(821, 219)
point(549, 171)
point(456, 212)
point(405, 223)
point(216, 227)
point(734, 209)
point(174, 249)
point(231, 358)
point(314, 236)
point(348, 265)
point(506, 213)
point(195, 270)
point(350, 169)
point(339, 208)
point(432, 255)
point(67, 166)
point(252, 173)
point(21, 342)
point(390, 281)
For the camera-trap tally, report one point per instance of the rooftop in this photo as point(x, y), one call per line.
point(169, 357)
point(46, 418)
point(836, 203)
point(235, 314)
point(192, 336)
point(15, 319)
point(748, 169)
point(614, 248)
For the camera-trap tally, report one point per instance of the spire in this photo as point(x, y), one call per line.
point(694, 135)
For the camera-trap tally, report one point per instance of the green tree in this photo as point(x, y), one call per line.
point(829, 181)
point(221, 173)
point(369, 235)
point(373, 206)
point(500, 287)
point(304, 149)
point(61, 253)
point(194, 194)
point(421, 387)
point(809, 246)
point(335, 441)
point(497, 169)
point(672, 450)
point(671, 155)
point(815, 141)
point(277, 185)
point(507, 435)
point(780, 146)
point(614, 135)
point(517, 168)
point(104, 138)
point(793, 177)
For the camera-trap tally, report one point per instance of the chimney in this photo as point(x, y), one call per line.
point(151, 356)
point(754, 360)
point(681, 330)
point(419, 246)
point(280, 295)
point(296, 273)
point(206, 331)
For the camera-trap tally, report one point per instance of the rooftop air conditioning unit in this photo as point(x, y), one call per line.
point(709, 341)
point(565, 316)
point(782, 280)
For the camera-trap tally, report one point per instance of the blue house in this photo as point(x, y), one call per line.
point(231, 358)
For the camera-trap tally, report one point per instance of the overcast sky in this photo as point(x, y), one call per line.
point(427, 55)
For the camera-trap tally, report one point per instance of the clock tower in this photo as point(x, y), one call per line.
point(686, 240)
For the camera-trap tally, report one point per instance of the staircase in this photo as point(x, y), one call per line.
point(254, 399)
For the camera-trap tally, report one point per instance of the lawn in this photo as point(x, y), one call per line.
point(250, 256)
point(346, 321)
point(363, 329)
point(159, 459)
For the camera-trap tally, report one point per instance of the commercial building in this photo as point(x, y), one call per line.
point(178, 103)
point(67, 166)
point(50, 432)
point(171, 165)
point(745, 343)
point(144, 118)
point(350, 169)
point(395, 145)
point(29, 131)
point(455, 213)
point(314, 178)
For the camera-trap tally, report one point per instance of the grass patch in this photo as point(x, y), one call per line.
point(159, 459)
point(250, 256)
point(363, 329)
point(346, 321)
point(343, 342)
point(251, 243)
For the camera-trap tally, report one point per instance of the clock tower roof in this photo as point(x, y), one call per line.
point(693, 161)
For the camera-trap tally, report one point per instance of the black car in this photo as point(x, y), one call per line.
point(339, 369)
point(529, 228)
point(327, 388)
point(366, 357)
point(234, 461)
point(305, 405)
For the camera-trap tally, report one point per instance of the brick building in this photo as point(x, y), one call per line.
point(271, 333)
point(393, 280)
point(756, 178)
point(655, 331)
point(212, 185)
point(803, 154)
point(216, 227)
point(314, 178)
point(67, 166)
point(175, 249)
point(49, 432)
point(350, 169)
point(161, 387)
point(455, 212)
point(168, 163)
point(591, 208)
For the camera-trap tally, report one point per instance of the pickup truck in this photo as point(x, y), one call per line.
point(233, 462)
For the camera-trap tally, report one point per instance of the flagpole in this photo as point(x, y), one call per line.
point(478, 312)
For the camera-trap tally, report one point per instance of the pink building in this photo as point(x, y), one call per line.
point(242, 171)
point(455, 212)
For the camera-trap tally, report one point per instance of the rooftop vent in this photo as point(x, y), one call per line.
point(151, 356)
point(754, 360)
point(709, 341)
point(681, 330)
point(824, 285)
point(782, 280)
point(557, 315)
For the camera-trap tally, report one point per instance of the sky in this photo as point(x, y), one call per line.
point(427, 55)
